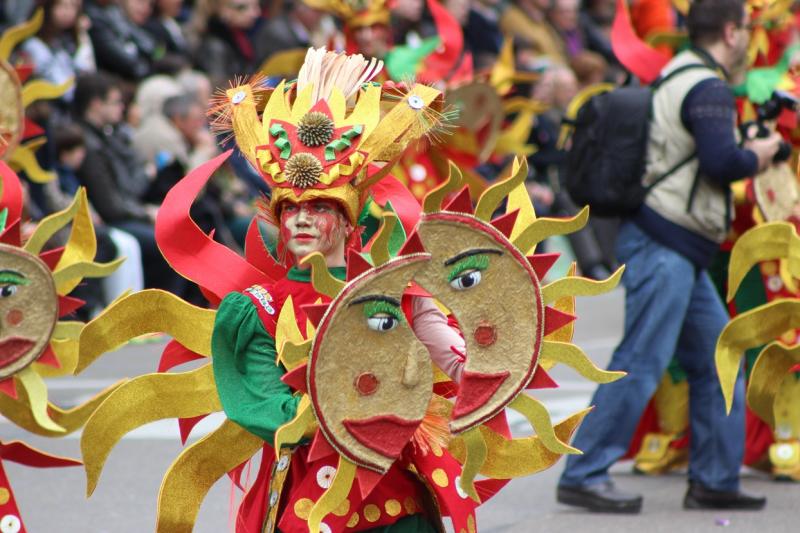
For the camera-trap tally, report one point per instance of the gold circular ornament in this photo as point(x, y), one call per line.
point(28, 309)
point(315, 129)
point(372, 429)
point(303, 170)
point(372, 513)
point(777, 193)
point(11, 112)
point(392, 507)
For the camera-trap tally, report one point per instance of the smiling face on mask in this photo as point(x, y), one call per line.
point(28, 309)
point(314, 226)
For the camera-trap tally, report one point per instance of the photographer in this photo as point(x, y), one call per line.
point(671, 306)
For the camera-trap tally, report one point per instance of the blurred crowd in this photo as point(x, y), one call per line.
point(134, 122)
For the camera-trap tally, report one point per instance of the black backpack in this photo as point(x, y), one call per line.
point(606, 162)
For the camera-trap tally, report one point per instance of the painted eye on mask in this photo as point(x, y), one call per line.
point(7, 291)
point(467, 273)
point(382, 316)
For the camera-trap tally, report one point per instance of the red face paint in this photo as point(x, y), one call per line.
point(14, 317)
point(312, 226)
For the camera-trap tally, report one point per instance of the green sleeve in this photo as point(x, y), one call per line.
point(248, 380)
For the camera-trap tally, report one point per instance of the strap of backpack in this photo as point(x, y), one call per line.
point(670, 172)
point(691, 66)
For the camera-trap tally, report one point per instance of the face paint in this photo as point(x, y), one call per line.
point(371, 396)
point(28, 309)
point(313, 226)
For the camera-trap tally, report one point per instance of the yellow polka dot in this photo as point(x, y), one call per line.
point(343, 508)
point(462, 530)
point(440, 477)
point(353, 522)
point(471, 524)
point(372, 513)
point(392, 507)
point(769, 268)
point(302, 508)
point(437, 450)
point(789, 337)
point(410, 505)
point(4, 495)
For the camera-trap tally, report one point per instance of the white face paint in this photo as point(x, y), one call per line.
point(313, 226)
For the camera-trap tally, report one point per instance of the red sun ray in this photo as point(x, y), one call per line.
point(542, 380)
point(356, 264)
point(21, 453)
point(24, 72)
point(296, 378)
point(68, 305)
point(49, 358)
point(315, 312)
point(462, 203)
point(555, 320)
point(505, 224)
point(367, 480)
point(189, 250)
point(8, 387)
point(320, 448)
point(542, 263)
point(186, 425)
point(413, 245)
point(12, 192)
point(12, 235)
point(51, 257)
point(31, 129)
point(175, 354)
point(635, 55)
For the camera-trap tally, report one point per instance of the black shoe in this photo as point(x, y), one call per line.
point(699, 497)
point(600, 498)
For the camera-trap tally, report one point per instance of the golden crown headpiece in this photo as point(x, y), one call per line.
point(318, 136)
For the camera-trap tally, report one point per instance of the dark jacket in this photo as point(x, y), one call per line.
point(225, 53)
point(120, 46)
point(114, 178)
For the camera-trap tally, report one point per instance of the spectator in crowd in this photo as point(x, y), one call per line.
point(226, 48)
point(61, 49)
point(164, 27)
point(129, 276)
point(672, 309)
point(293, 28)
point(577, 31)
point(121, 47)
point(114, 177)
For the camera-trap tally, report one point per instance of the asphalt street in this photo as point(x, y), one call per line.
point(125, 500)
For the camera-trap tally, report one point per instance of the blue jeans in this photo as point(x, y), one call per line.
point(671, 308)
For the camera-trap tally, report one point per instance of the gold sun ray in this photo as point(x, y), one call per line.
point(571, 355)
point(580, 286)
point(15, 35)
point(20, 413)
point(303, 424)
point(196, 469)
point(491, 197)
point(50, 224)
point(140, 401)
point(380, 252)
point(538, 416)
point(42, 90)
point(513, 458)
point(772, 240)
point(133, 315)
point(747, 330)
point(542, 228)
point(321, 278)
point(36, 389)
point(334, 495)
point(433, 200)
point(772, 367)
point(475, 457)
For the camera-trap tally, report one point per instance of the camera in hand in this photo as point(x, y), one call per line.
point(771, 110)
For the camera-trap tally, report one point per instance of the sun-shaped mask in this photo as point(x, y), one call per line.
point(369, 398)
point(19, 137)
point(29, 307)
point(480, 272)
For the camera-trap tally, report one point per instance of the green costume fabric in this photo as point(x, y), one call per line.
point(408, 524)
point(248, 380)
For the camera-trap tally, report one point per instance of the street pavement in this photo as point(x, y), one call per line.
point(53, 501)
